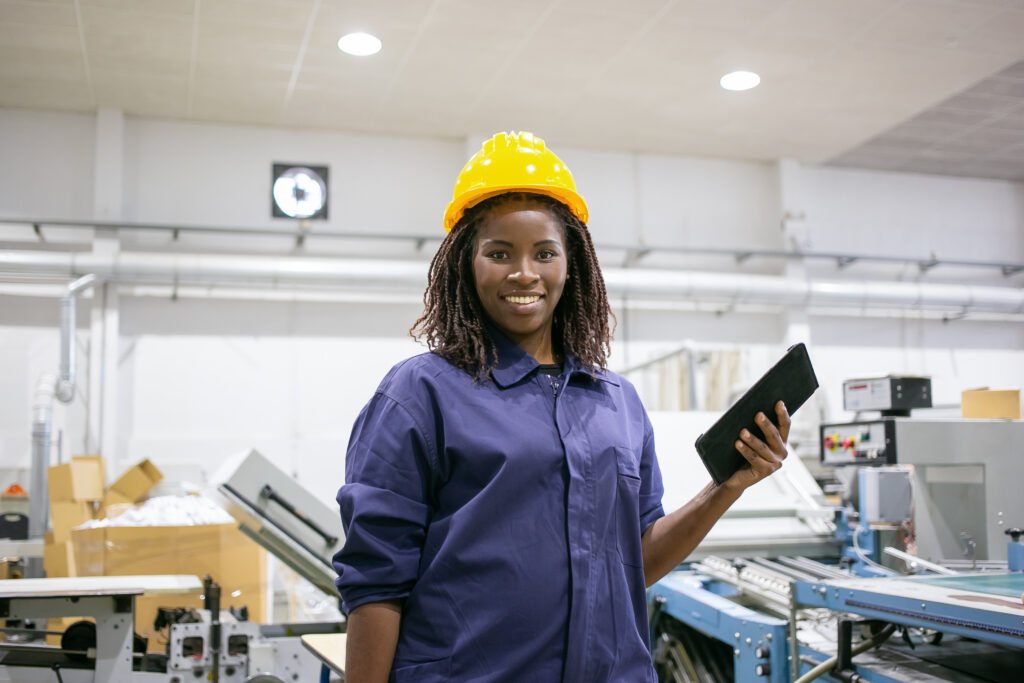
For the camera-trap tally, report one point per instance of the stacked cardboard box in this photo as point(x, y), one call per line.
point(76, 488)
point(77, 495)
point(220, 551)
point(133, 485)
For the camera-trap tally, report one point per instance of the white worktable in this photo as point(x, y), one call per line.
point(83, 586)
point(107, 599)
point(328, 647)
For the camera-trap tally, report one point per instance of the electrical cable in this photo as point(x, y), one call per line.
point(863, 557)
point(861, 647)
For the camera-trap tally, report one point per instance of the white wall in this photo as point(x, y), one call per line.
point(210, 174)
point(201, 378)
point(46, 164)
point(914, 215)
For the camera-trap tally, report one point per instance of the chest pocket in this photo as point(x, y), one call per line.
point(627, 508)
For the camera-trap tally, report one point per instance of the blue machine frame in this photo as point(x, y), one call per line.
point(745, 630)
point(970, 622)
point(691, 600)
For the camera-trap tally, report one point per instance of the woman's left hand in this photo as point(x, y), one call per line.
point(764, 457)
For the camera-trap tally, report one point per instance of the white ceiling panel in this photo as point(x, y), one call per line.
point(979, 132)
point(850, 80)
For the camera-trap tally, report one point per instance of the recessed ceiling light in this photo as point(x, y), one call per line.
point(359, 44)
point(740, 80)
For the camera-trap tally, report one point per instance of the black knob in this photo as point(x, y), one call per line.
point(1015, 533)
point(763, 670)
point(762, 652)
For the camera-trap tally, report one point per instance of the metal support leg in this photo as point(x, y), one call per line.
point(844, 645)
point(114, 647)
point(794, 644)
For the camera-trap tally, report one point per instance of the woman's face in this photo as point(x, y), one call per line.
point(519, 269)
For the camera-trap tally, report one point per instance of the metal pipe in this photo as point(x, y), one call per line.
point(208, 269)
point(42, 420)
point(825, 667)
point(49, 387)
point(66, 381)
point(914, 562)
point(636, 252)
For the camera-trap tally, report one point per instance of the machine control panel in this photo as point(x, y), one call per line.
point(887, 393)
point(858, 443)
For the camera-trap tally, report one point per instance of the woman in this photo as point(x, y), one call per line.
point(503, 499)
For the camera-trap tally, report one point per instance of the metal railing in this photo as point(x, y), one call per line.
point(632, 254)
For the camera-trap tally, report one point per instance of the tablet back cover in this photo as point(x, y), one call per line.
point(791, 381)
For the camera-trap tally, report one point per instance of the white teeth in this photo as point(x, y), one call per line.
point(522, 299)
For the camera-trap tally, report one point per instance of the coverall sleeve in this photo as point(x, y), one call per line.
point(651, 487)
point(384, 505)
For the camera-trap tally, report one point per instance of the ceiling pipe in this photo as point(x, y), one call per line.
point(738, 288)
point(65, 389)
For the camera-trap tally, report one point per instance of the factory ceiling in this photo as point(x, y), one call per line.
point(926, 85)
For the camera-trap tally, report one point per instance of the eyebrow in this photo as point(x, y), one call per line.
point(503, 243)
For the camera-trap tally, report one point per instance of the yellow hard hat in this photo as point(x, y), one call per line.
point(513, 162)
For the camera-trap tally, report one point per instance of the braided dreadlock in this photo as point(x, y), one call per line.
point(453, 320)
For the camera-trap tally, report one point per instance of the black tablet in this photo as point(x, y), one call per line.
point(791, 381)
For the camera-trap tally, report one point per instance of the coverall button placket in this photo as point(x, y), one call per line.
point(581, 532)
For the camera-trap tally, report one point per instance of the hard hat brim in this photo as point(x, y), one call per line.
point(458, 207)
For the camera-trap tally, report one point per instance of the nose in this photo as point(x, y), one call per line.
point(524, 274)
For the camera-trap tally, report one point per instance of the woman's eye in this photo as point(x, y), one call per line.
point(546, 255)
point(498, 255)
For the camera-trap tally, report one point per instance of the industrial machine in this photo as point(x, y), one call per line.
point(919, 578)
point(209, 644)
point(212, 644)
point(965, 477)
point(276, 512)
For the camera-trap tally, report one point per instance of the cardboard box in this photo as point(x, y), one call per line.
point(80, 480)
point(113, 505)
point(218, 550)
point(10, 568)
point(97, 461)
point(992, 404)
point(65, 516)
point(112, 497)
point(59, 559)
point(135, 483)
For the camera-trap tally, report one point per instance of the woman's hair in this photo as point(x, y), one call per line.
point(453, 322)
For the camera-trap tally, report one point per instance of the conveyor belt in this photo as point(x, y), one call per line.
point(1009, 584)
point(972, 605)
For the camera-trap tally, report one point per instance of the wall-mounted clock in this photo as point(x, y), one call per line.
point(299, 191)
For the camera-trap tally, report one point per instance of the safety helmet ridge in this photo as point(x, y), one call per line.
point(513, 162)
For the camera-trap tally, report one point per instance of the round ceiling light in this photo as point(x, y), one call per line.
point(740, 80)
point(359, 44)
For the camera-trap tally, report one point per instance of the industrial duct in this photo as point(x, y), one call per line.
point(207, 269)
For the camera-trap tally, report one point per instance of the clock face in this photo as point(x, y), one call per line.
point(300, 192)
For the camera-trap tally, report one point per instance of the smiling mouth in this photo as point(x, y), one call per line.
point(522, 299)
